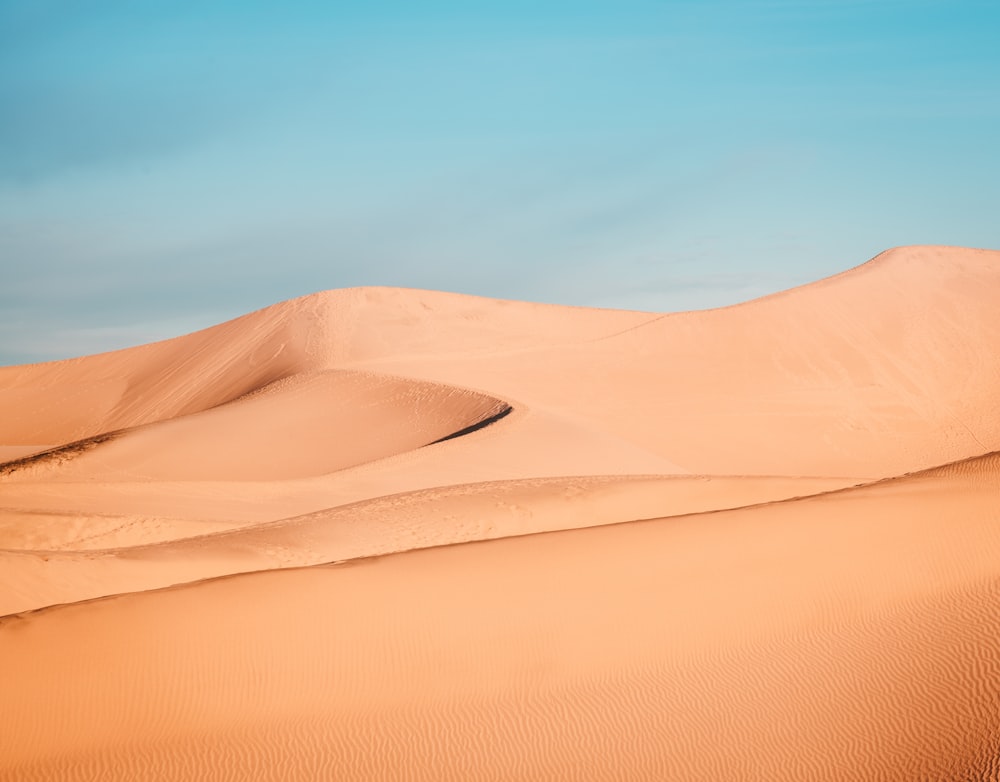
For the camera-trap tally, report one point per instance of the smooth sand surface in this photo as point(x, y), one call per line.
point(397, 534)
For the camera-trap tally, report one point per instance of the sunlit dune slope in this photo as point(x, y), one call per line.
point(51, 559)
point(888, 368)
point(307, 424)
point(338, 398)
point(852, 635)
point(884, 369)
point(380, 533)
point(62, 401)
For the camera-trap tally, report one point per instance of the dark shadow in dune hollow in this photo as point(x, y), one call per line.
point(476, 426)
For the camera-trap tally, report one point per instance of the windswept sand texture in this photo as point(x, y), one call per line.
point(405, 535)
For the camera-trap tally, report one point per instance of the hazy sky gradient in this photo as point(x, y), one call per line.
point(168, 165)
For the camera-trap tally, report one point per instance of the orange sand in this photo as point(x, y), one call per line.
point(395, 534)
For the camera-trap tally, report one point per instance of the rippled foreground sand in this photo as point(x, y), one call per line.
point(396, 534)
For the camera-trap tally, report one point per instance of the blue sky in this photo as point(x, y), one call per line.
point(168, 165)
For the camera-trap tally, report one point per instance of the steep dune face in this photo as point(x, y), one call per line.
point(307, 424)
point(62, 401)
point(758, 542)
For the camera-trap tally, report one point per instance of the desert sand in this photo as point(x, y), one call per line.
point(405, 535)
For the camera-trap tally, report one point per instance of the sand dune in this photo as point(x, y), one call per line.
point(307, 424)
point(814, 639)
point(395, 534)
point(52, 559)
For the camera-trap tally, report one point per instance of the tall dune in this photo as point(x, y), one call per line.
point(381, 533)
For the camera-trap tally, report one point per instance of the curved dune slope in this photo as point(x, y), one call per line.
point(63, 401)
point(380, 533)
point(307, 424)
point(50, 561)
point(885, 369)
